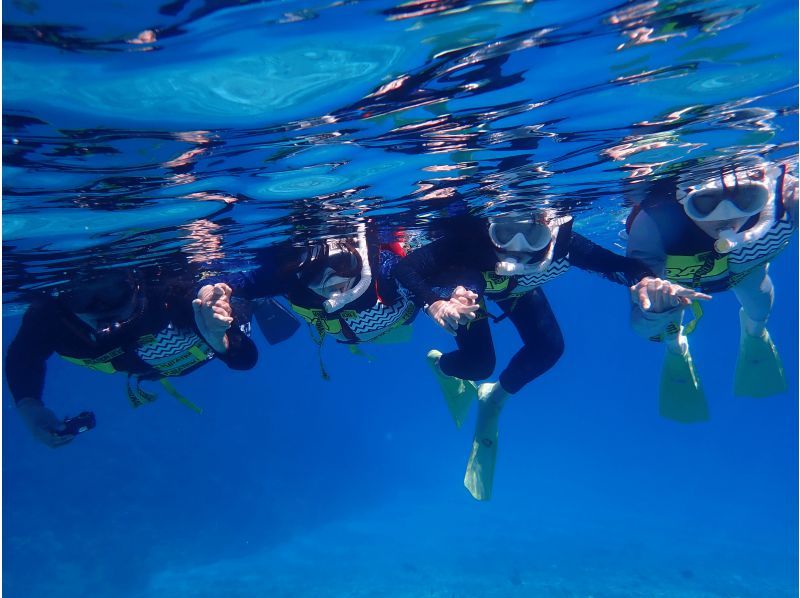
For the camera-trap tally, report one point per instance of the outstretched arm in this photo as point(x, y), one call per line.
point(25, 372)
point(587, 255)
point(656, 304)
point(415, 272)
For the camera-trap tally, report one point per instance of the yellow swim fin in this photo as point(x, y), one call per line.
point(480, 468)
point(759, 372)
point(681, 396)
point(457, 393)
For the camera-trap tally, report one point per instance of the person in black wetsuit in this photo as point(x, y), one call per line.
point(150, 328)
point(343, 287)
point(506, 260)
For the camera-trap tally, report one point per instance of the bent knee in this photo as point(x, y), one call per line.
point(484, 369)
point(552, 348)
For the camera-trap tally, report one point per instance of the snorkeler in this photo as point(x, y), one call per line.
point(150, 328)
point(343, 287)
point(505, 259)
point(713, 232)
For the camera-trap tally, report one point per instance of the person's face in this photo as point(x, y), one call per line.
point(100, 303)
point(727, 206)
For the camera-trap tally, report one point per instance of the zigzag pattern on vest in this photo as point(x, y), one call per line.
point(770, 244)
point(168, 343)
point(378, 318)
point(531, 281)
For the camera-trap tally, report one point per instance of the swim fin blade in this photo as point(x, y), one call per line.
point(275, 321)
point(759, 372)
point(479, 477)
point(458, 393)
point(681, 396)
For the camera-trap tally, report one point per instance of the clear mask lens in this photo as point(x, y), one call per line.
point(718, 204)
point(520, 236)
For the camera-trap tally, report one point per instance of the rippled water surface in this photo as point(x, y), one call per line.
point(193, 126)
point(142, 132)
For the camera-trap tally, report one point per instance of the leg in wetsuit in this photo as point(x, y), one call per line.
point(541, 349)
point(536, 324)
point(474, 359)
point(543, 343)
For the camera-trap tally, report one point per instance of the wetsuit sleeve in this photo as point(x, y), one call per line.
point(417, 270)
point(276, 274)
point(645, 245)
point(587, 255)
point(242, 353)
point(254, 284)
point(28, 353)
point(387, 283)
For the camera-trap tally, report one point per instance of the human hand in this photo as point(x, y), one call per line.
point(450, 313)
point(43, 423)
point(464, 302)
point(464, 296)
point(657, 295)
point(213, 314)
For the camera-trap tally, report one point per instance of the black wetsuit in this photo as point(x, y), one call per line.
point(466, 256)
point(49, 327)
point(280, 274)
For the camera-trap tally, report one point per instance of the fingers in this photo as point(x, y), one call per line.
point(460, 308)
point(221, 291)
point(658, 295)
point(223, 320)
point(468, 314)
point(452, 313)
point(217, 293)
point(691, 294)
point(226, 290)
point(222, 310)
point(204, 294)
point(644, 299)
point(57, 440)
point(464, 295)
point(51, 438)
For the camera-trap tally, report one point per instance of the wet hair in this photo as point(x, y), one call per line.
point(100, 292)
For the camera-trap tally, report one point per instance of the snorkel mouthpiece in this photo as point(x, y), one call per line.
point(511, 267)
point(728, 241)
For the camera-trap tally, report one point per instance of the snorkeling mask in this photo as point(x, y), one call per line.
point(527, 238)
point(340, 271)
point(106, 304)
point(734, 195)
point(520, 236)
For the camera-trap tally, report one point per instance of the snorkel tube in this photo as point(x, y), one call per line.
point(339, 300)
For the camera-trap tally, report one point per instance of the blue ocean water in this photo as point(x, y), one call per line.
point(137, 131)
